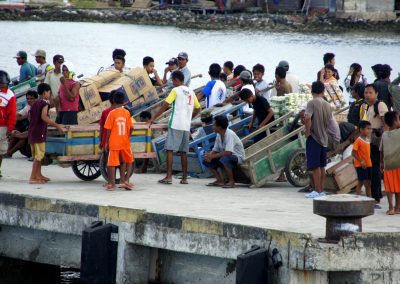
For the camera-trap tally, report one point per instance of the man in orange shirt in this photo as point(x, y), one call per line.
point(119, 128)
point(362, 160)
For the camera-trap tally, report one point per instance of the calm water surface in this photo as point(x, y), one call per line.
point(89, 46)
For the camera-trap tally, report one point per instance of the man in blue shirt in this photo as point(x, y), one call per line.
point(27, 70)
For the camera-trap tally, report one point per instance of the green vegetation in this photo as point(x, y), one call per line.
point(84, 3)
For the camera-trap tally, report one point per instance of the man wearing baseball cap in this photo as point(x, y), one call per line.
point(290, 77)
point(172, 66)
point(27, 70)
point(183, 59)
point(44, 67)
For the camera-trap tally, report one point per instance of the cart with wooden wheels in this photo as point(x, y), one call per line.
point(280, 150)
point(78, 147)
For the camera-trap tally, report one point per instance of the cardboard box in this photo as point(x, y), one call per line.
point(143, 85)
point(123, 85)
point(150, 96)
point(102, 79)
point(92, 115)
point(138, 103)
point(90, 96)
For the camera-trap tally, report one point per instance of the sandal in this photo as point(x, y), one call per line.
point(127, 186)
point(229, 186)
point(215, 184)
point(165, 181)
point(183, 181)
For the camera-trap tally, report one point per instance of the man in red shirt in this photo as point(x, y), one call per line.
point(8, 113)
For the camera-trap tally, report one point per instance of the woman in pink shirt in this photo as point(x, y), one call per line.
point(69, 96)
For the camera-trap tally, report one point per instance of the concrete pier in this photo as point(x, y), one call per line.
point(188, 233)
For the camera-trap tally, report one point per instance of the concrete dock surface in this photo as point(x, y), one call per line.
point(278, 206)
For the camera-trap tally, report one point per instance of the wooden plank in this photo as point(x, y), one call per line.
point(333, 169)
point(78, 158)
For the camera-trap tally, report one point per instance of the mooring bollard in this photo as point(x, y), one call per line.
point(343, 213)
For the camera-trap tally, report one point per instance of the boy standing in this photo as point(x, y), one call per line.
point(215, 90)
point(119, 128)
point(228, 70)
point(184, 107)
point(282, 86)
point(362, 160)
point(37, 132)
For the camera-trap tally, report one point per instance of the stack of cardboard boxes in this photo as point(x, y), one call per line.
point(95, 91)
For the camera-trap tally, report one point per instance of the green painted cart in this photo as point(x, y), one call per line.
point(280, 150)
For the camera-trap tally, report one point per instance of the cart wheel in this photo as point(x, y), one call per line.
point(295, 169)
point(103, 168)
point(86, 170)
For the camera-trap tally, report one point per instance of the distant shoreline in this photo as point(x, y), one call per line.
point(192, 20)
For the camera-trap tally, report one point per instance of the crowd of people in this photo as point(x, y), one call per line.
point(372, 117)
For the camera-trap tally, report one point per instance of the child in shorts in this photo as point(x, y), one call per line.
point(362, 160)
point(39, 119)
point(388, 149)
point(119, 128)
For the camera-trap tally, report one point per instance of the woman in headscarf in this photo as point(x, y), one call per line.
point(69, 96)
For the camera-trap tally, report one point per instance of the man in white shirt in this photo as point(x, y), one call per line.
point(185, 106)
point(53, 79)
point(290, 77)
point(43, 67)
point(183, 59)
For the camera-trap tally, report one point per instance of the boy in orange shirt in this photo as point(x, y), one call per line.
point(362, 159)
point(119, 128)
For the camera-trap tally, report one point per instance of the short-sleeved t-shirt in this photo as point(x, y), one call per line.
point(42, 71)
point(230, 143)
point(363, 150)
point(376, 121)
point(261, 107)
point(320, 112)
point(27, 71)
point(65, 104)
point(119, 123)
point(37, 127)
point(183, 102)
point(53, 79)
point(215, 92)
point(262, 85)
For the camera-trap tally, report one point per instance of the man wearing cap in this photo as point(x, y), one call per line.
point(183, 59)
point(53, 79)
point(172, 66)
point(44, 67)
point(290, 77)
point(27, 70)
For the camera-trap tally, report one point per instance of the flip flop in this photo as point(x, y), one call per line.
point(183, 182)
point(164, 181)
point(126, 186)
point(46, 179)
point(390, 212)
point(228, 186)
point(214, 184)
point(36, 181)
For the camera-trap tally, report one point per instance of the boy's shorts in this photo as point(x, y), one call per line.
point(38, 151)
point(316, 154)
point(3, 141)
point(363, 174)
point(177, 140)
point(114, 157)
